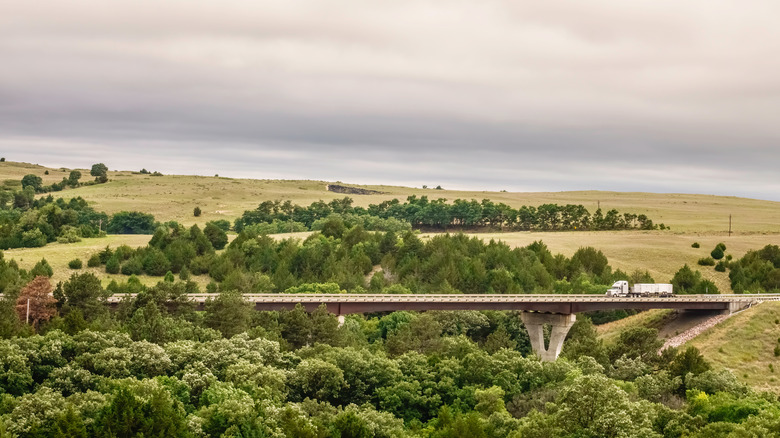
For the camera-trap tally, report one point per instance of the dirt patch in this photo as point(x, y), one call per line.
point(351, 190)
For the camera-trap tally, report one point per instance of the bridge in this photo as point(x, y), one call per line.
point(555, 310)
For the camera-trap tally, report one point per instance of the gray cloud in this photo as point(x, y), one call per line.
point(605, 95)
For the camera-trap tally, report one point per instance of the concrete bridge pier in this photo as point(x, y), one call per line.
point(560, 323)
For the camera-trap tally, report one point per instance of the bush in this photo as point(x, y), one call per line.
point(717, 253)
point(75, 264)
point(721, 266)
point(707, 261)
point(134, 266)
point(196, 212)
point(131, 222)
point(722, 246)
point(112, 265)
point(94, 261)
point(695, 245)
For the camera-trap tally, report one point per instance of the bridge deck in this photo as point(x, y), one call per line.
point(552, 303)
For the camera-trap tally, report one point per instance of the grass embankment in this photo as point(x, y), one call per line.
point(655, 318)
point(744, 344)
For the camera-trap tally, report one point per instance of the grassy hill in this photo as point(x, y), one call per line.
point(173, 197)
point(743, 344)
point(692, 218)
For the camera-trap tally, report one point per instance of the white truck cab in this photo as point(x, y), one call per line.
point(618, 289)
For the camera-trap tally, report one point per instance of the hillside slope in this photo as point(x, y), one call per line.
point(745, 344)
point(173, 197)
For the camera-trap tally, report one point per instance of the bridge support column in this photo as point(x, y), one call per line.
point(534, 323)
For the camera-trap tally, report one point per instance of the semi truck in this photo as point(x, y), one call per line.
point(622, 289)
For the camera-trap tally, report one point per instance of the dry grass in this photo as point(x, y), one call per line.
point(655, 318)
point(174, 197)
point(745, 345)
point(16, 171)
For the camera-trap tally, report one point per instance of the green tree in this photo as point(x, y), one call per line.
point(83, 292)
point(127, 416)
point(228, 313)
point(42, 268)
point(33, 181)
point(196, 212)
point(636, 342)
point(685, 280)
point(296, 326)
point(216, 235)
point(112, 265)
point(131, 222)
point(100, 172)
point(73, 178)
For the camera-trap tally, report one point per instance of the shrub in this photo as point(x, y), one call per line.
point(94, 260)
point(721, 266)
point(722, 246)
point(75, 264)
point(42, 268)
point(131, 222)
point(717, 253)
point(134, 266)
point(112, 265)
point(695, 245)
point(196, 212)
point(707, 261)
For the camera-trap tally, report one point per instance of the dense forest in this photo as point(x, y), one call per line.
point(438, 214)
point(347, 257)
point(157, 367)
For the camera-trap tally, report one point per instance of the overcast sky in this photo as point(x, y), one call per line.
point(659, 96)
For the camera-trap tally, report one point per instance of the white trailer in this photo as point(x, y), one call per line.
point(622, 289)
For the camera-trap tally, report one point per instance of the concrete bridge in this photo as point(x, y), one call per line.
point(557, 310)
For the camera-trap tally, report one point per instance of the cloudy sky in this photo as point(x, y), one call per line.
point(637, 95)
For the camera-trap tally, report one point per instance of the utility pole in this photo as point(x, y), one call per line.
point(729, 225)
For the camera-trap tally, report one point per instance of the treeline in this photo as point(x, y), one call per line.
point(438, 214)
point(758, 271)
point(347, 256)
point(156, 367)
point(35, 222)
point(30, 222)
point(35, 182)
